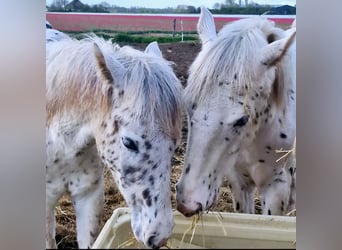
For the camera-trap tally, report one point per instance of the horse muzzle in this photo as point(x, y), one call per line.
point(187, 211)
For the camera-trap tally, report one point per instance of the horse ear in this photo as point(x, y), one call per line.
point(275, 51)
point(206, 26)
point(153, 49)
point(116, 71)
point(102, 65)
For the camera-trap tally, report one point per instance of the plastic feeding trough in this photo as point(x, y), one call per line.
point(212, 230)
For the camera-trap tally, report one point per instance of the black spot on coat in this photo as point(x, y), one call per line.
point(283, 136)
point(187, 169)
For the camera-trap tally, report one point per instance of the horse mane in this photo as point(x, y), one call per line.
point(149, 83)
point(157, 96)
point(226, 59)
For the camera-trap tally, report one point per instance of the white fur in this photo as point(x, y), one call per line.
point(232, 80)
point(53, 35)
point(115, 107)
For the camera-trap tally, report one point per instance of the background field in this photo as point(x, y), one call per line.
point(140, 22)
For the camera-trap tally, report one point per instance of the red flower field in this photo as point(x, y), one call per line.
point(140, 22)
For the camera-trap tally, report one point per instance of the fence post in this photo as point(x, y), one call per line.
point(182, 29)
point(174, 28)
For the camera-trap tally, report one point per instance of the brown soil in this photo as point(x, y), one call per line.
point(182, 54)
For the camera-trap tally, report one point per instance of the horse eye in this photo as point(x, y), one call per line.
point(271, 38)
point(130, 144)
point(242, 121)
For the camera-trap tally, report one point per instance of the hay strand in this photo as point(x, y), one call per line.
point(195, 220)
point(287, 153)
point(219, 219)
point(293, 211)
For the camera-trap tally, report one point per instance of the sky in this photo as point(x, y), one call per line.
point(174, 3)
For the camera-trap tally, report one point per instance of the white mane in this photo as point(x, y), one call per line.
point(148, 80)
point(229, 58)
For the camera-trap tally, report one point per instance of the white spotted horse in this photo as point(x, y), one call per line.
point(117, 107)
point(240, 102)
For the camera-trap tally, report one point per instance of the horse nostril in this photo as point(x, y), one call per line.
point(242, 121)
point(200, 208)
point(150, 241)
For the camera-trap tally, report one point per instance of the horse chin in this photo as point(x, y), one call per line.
point(150, 231)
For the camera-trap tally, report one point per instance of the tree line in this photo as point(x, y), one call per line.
point(229, 7)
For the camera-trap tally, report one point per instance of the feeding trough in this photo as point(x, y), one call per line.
point(213, 230)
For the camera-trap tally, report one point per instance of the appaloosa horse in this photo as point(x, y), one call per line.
point(240, 101)
point(113, 106)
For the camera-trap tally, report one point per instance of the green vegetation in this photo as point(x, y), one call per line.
point(163, 38)
point(138, 36)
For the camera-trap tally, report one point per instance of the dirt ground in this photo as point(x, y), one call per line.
point(182, 54)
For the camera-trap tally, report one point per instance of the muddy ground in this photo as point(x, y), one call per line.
point(182, 54)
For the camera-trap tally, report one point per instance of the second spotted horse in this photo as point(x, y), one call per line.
point(240, 102)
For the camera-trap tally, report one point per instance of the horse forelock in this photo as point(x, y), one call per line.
point(154, 91)
point(152, 88)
